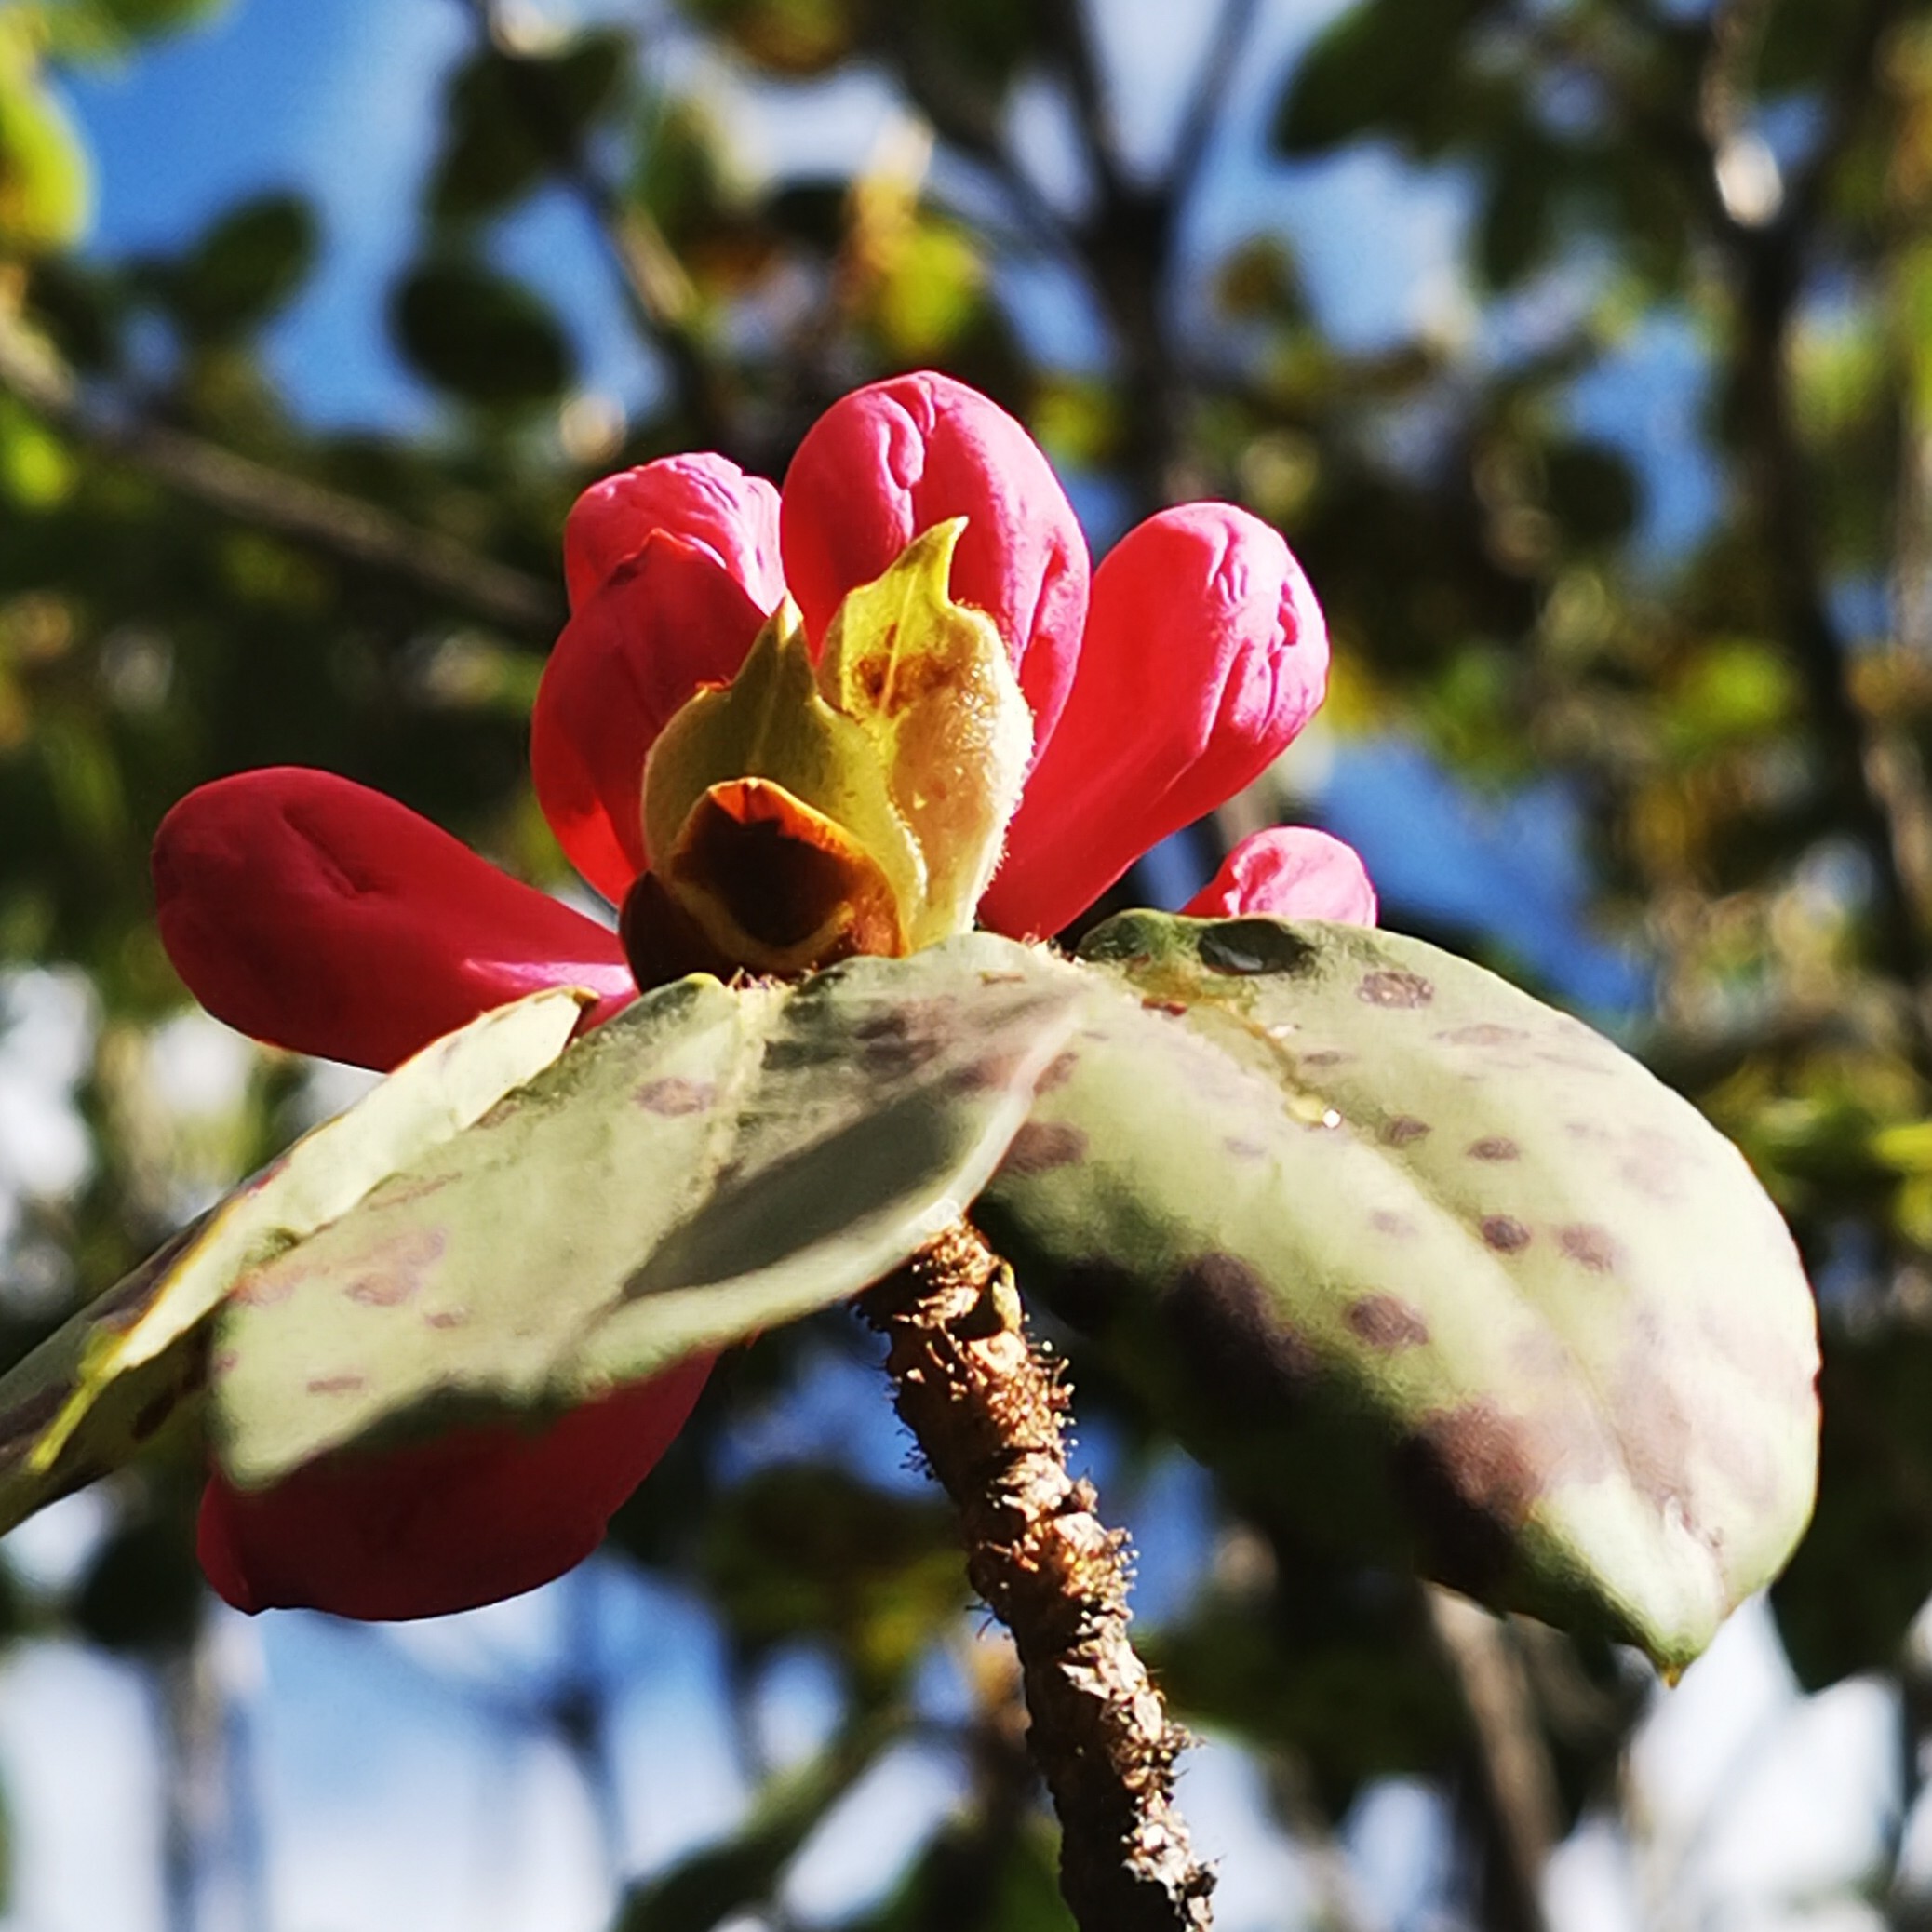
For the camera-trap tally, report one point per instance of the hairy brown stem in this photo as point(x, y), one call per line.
point(986, 1411)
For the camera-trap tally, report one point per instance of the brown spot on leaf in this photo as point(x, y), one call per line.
point(1654, 1166)
point(1400, 1130)
point(1060, 1069)
point(267, 1286)
point(1469, 1479)
point(1238, 1348)
point(674, 1094)
point(1175, 1008)
point(1326, 1056)
point(1042, 1146)
point(1482, 1033)
point(1387, 1323)
point(1571, 1063)
point(345, 1384)
point(225, 1362)
point(1505, 1234)
point(895, 1045)
point(26, 1420)
point(1590, 1246)
point(992, 1073)
point(1387, 1221)
point(394, 1270)
point(1497, 1147)
point(446, 1318)
point(1244, 1149)
point(1390, 986)
point(1655, 1430)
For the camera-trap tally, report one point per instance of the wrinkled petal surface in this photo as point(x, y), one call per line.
point(466, 1518)
point(1205, 653)
point(887, 462)
point(318, 915)
point(1289, 872)
point(706, 500)
point(670, 618)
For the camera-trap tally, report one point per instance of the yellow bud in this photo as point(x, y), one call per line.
point(930, 683)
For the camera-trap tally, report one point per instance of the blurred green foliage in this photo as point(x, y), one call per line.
point(1742, 703)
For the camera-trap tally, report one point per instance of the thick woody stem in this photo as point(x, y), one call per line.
point(988, 1411)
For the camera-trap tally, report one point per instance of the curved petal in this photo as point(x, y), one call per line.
point(670, 618)
point(706, 500)
point(467, 1519)
point(1289, 872)
point(887, 462)
point(321, 916)
point(1205, 653)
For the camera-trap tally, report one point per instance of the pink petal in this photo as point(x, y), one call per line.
point(706, 500)
point(1289, 872)
point(669, 619)
point(887, 462)
point(469, 1517)
point(1205, 653)
point(321, 916)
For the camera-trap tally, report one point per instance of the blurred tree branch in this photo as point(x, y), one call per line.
point(658, 292)
point(1518, 1802)
point(1768, 253)
point(343, 527)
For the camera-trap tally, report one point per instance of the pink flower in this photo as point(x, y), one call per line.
point(322, 917)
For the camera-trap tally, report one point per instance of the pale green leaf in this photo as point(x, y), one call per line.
point(1412, 1255)
point(89, 1395)
point(712, 1163)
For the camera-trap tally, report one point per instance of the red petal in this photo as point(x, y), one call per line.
point(1205, 653)
point(321, 916)
point(467, 1519)
point(706, 500)
point(886, 462)
point(1289, 872)
point(669, 619)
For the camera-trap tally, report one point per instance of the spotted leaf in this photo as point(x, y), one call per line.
point(712, 1163)
point(1411, 1255)
point(89, 1396)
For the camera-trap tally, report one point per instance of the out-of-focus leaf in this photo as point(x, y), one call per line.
point(966, 1883)
point(246, 267)
point(808, 1551)
point(1389, 1241)
point(47, 191)
point(929, 289)
point(142, 20)
point(37, 469)
point(795, 37)
point(513, 118)
point(1864, 1570)
point(1734, 690)
point(711, 1162)
point(1378, 68)
point(711, 1885)
point(97, 1388)
point(1591, 491)
point(1328, 1665)
point(1517, 227)
point(142, 1591)
point(480, 334)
